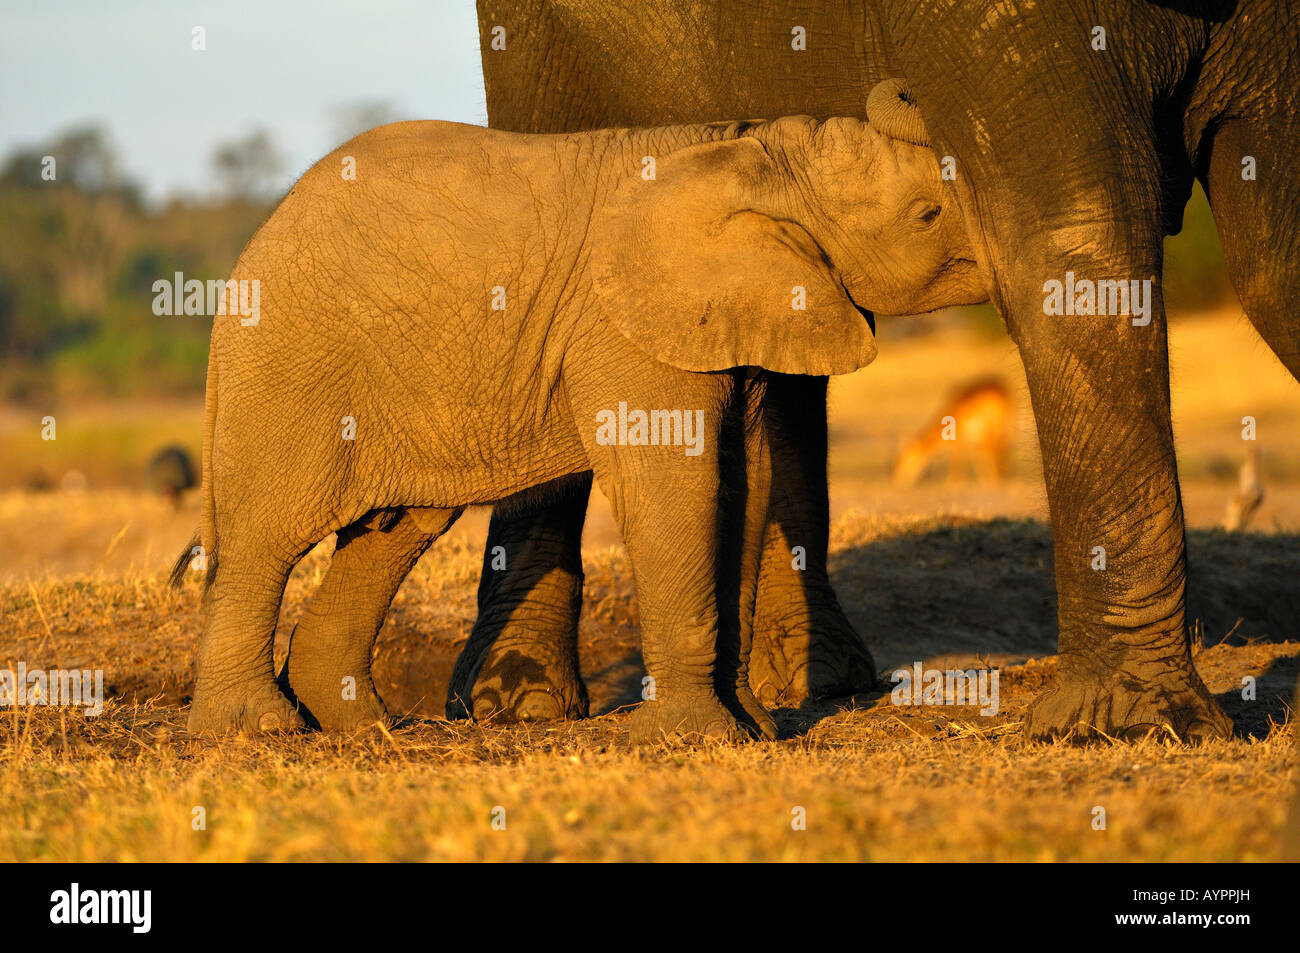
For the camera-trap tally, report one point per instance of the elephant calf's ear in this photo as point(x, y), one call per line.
point(694, 273)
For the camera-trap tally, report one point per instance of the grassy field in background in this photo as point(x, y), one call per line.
point(955, 575)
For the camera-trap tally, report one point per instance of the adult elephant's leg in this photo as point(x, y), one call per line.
point(803, 643)
point(1046, 201)
point(327, 671)
point(521, 660)
point(1100, 392)
point(1258, 220)
point(1099, 385)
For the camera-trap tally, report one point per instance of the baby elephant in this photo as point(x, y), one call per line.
point(451, 316)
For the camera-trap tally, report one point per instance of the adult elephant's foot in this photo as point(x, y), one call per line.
point(804, 652)
point(263, 710)
point(523, 674)
point(684, 718)
point(521, 660)
point(1129, 705)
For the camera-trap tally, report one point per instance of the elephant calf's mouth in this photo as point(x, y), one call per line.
point(868, 315)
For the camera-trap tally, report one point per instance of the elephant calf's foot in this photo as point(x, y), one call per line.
point(524, 677)
point(686, 718)
point(817, 655)
point(752, 716)
point(336, 702)
point(1127, 708)
point(262, 711)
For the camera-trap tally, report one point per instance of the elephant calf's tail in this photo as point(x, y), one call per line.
point(177, 577)
point(203, 544)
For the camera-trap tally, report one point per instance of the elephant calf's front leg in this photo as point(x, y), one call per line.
point(667, 504)
point(672, 544)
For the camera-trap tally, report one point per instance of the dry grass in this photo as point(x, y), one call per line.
point(124, 788)
point(875, 781)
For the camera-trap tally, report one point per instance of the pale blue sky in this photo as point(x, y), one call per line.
point(280, 64)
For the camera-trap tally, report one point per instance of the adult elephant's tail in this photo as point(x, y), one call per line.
point(206, 534)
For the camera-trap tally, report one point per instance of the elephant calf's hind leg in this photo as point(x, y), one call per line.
point(236, 687)
point(327, 672)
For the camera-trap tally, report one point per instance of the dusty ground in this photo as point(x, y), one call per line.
point(944, 574)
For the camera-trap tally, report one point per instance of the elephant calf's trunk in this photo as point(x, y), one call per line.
point(891, 110)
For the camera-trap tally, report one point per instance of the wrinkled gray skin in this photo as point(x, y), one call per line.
point(668, 293)
point(1068, 158)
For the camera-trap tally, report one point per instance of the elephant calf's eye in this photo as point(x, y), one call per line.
point(927, 214)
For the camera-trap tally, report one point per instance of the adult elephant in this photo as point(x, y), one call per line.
point(1076, 130)
point(1079, 129)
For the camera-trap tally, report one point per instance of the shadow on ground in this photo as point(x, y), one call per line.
point(960, 592)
